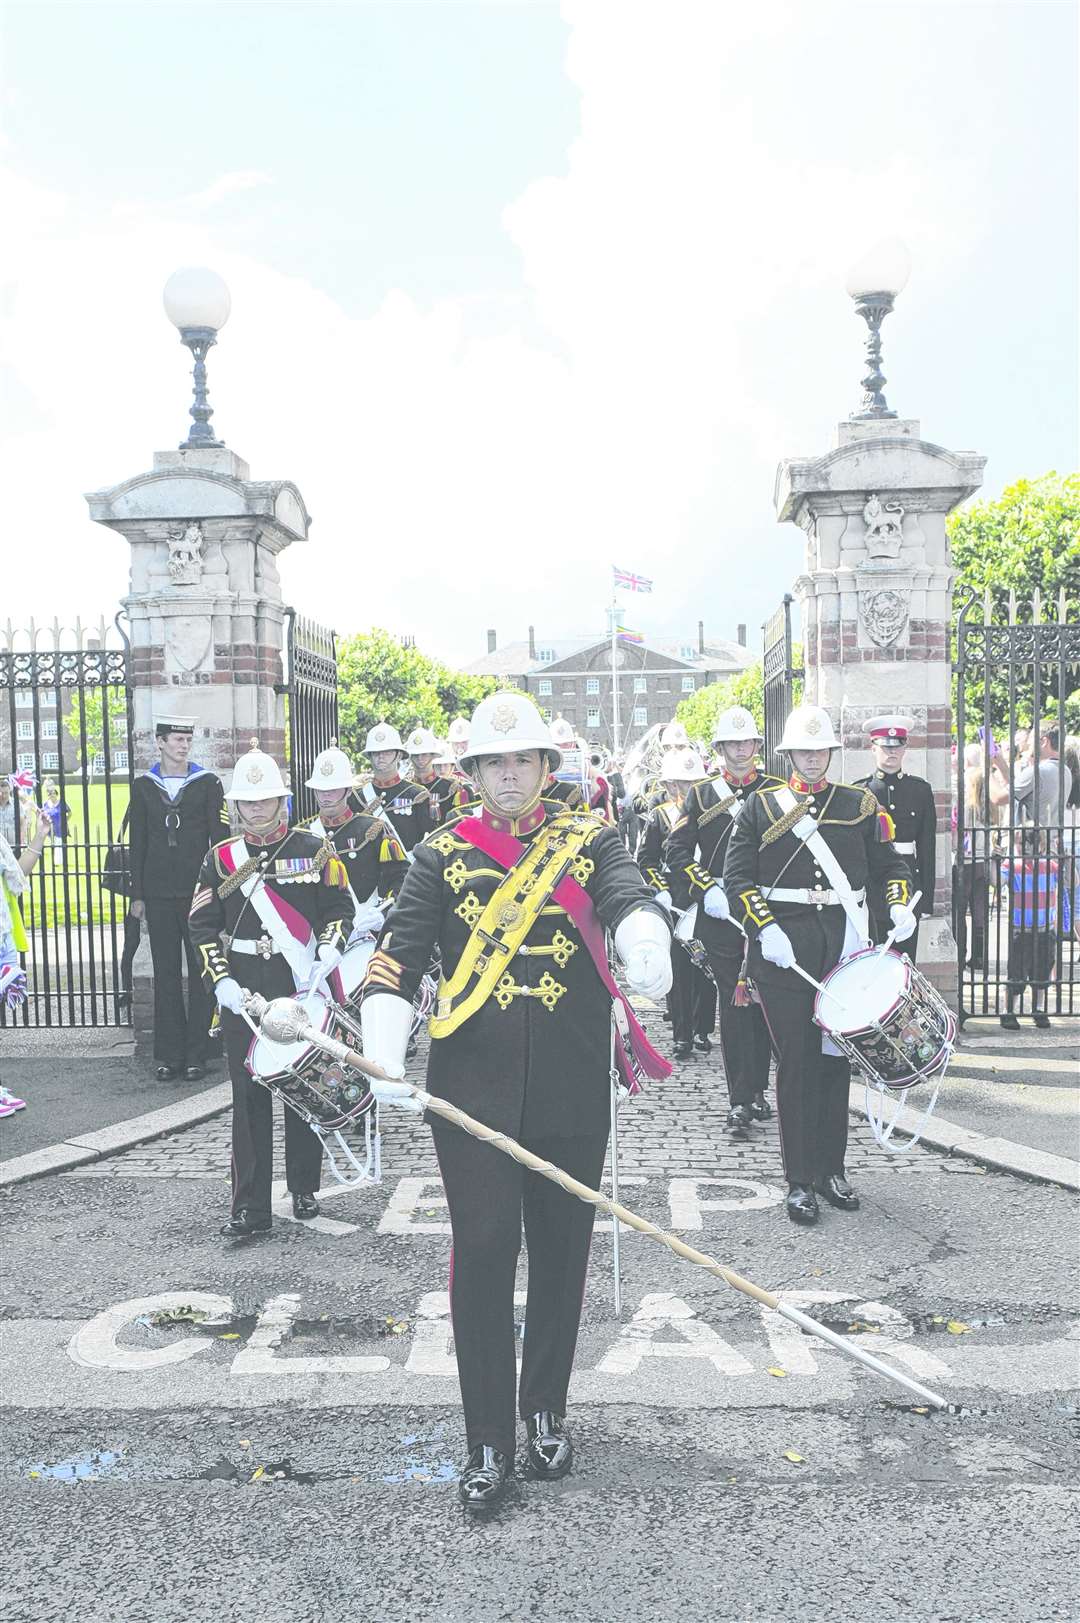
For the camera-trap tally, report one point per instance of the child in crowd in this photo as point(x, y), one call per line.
point(1032, 882)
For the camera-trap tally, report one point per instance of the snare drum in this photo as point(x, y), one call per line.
point(325, 1092)
point(886, 1018)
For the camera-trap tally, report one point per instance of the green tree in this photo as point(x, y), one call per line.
point(699, 712)
point(380, 680)
point(1027, 540)
point(90, 719)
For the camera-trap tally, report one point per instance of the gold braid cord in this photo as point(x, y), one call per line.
point(783, 825)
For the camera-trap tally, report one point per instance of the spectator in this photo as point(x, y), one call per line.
point(973, 861)
point(1033, 886)
point(13, 872)
point(7, 812)
point(1040, 788)
point(56, 810)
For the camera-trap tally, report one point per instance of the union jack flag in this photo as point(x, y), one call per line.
point(629, 582)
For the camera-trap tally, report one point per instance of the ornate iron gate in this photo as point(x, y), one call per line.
point(65, 753)
point(779, 676)
point(1016, 879)
point(311, 697)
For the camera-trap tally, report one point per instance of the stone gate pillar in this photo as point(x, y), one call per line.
point(204, 604)
point(876, 601)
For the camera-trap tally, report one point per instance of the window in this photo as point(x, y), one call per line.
point(592, 684)
point(688, 684)
point(641, 715)
point(641, 684)
point(120, 758)
point(686, 653)
point(47, 698)
point(25, 760)
point(99, 762)
point(543, 687)
point(24, 698)
point(50, 762)
point(546, 655)
point(592, 718)
point(48, 727)
point(24, 729)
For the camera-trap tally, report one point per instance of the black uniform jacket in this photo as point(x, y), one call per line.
point(304, 872)
point(910, 803)
point(698, 845)
point(446, 796)
point(534, 1059)
point(373, 858)
point(568, 794)
point(170, 838)
point(652, 849)
point(408, 806)
point(759, 855)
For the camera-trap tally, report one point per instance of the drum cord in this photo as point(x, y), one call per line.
point(883, 1133)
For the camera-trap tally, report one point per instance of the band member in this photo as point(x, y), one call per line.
point(692, 999)
point(909, 801)
point(446, 794)
point(374, 861)
point(406, 805)
point(800, 861)
point(458, 737)
point(517, 897)
point(566, 789)
point(271, 909)
point(177, 812)
point(696, 854)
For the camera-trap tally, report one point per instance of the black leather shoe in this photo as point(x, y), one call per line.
point(550, 1452)
point(305, 1206)
point(1009, 1022)
point(483, 1481)
point(802, 1206)
point(760, 1108)
point(245, 1223)
point(684, 1050)
point(164, 1073)
point(194, 1073)
point(738, 1121)
point(1041, 1019)
point(703, 1043)
point(838, 1192)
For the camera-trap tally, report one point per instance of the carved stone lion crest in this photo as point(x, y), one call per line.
point(884, 614)
point(884, 528)
point(186, 555)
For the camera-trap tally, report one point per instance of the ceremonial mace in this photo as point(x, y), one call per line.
point(285, 1021)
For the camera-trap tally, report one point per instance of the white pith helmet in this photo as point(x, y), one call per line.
point(332, 770)
point(563, 733)
point(809, 727)
point(505, 722)
point(734, 725)
point(256, 776)
point(444, 754)
point(682, 766)
point(674, 736)
point(422, 741)
point(383, 737)
point(459, 731)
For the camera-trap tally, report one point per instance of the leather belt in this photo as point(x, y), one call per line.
point(818, 896)
point(906, 848)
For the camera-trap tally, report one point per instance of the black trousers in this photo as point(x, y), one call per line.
point(744, 1036)
point(180, 1038)
point(1031, 954)
point(692, 999)
point(253, 1133)
point(488, 1194)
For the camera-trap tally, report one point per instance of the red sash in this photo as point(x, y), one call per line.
point(633, 1050)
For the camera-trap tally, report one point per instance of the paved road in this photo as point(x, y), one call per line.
point(328, 1347)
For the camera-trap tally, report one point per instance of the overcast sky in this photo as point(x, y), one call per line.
point(523, 290)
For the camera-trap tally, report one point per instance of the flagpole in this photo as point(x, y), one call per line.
point(614, 674)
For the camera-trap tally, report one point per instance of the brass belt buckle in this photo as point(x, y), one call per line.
point(818, 895)
point(264, 947)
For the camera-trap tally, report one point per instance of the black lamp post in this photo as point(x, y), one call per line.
point(874, 282)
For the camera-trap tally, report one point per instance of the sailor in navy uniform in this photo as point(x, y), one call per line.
point(271, 908)
point(406, 806)
point(909, 801)
point(177, 812)
point(777, 876)
point(696, 854)
point(520, 1039)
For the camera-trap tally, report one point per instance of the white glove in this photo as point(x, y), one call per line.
point(230, 995)
point(396, 1093)
point(664, 898)
point(368, 920)
point(329, 956)
point(716, 902)
point(904, 919)
point(648, 970)
point(643, 943)
point(776, 948)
